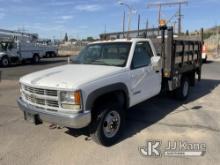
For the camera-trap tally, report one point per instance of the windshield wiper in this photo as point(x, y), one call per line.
point(98, 62)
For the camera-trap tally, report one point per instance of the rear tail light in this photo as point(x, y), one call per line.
point(204, 49)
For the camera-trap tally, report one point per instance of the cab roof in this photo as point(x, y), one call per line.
point(120, 40)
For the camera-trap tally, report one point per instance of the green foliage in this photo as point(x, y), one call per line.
point(90, 39)
point(66, 38)
point(208, 34)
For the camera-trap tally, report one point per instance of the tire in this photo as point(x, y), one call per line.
point(47, 55)
point(182, 92)
point(5, 61)
point(204, 60)
point(107, 125)
point(36, 59)
point(54, 54)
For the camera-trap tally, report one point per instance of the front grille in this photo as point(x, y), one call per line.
point(40, 91)
point(44, 98)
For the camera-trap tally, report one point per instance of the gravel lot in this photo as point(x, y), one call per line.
point(162, 118)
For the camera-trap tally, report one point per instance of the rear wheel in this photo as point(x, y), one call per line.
point(107, 125)
point(36, 59)
point(205, 60)
point(182, 93)
point(47, 55)
point(5, 62)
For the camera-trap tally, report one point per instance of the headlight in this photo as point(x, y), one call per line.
point(71, 100)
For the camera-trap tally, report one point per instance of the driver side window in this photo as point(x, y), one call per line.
point(142, 55)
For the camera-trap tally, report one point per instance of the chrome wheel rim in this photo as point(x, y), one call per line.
point(185, 88)
point(111, 124)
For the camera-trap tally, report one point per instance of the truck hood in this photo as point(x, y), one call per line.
point(70, 76)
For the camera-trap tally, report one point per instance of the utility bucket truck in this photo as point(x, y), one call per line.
point(17, 47)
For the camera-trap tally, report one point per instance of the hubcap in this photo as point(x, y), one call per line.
point(5, 62)
point(111, 124)
point(36, 59)
point(185, 88)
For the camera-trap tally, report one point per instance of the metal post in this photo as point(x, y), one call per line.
point(179, 20)
point(129, 22)
point(146, 28)
point(124, 25)
point(130, 10)
point(159, 15)
point(139, 24)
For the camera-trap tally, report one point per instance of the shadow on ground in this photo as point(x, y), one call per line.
point(153, 110)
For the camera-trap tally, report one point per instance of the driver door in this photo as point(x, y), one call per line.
point(145, 81)
point(12, 50)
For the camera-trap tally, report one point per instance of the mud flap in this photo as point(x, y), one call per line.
point(33, 118)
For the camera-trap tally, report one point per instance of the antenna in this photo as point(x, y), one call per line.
point(169, 4)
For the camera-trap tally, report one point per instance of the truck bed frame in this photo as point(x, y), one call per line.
point(180, 56)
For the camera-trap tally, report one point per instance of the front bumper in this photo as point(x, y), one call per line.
point(77, 121)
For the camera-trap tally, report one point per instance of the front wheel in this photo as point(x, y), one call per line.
point(108, 125)
point(5, 62)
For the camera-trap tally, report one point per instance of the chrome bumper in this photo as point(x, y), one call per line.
point(78, 120)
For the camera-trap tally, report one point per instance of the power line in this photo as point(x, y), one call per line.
point(159, 5)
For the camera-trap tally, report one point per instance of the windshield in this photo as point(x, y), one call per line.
point(3, 46)
point(113, 54)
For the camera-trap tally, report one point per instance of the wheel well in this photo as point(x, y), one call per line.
point(4, 56)
point(115, 96)
point(191, 77)
point(36, 54)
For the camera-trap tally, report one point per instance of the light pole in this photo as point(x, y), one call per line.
point(131, 10)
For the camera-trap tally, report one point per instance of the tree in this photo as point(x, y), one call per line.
point(66, 38)
point(90, 39)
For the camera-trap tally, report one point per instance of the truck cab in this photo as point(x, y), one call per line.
point(8, 52)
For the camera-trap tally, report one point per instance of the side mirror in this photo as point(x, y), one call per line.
point(156, 63)
point(73, 59)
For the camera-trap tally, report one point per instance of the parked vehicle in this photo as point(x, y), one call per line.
point(106, 79)
point(19, 51)
point(50, 49)
point(17, 47)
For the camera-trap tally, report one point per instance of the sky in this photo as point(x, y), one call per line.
point(83, 18)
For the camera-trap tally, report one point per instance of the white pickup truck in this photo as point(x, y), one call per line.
point(106, 79)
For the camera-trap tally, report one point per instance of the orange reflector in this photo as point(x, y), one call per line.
point(77, 96)
point(162, 22)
